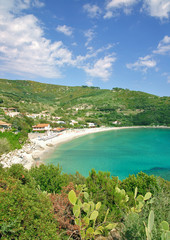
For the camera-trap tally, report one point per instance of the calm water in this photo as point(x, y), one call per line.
point(121, 152)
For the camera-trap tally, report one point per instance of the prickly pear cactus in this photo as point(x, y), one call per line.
point(90, 211)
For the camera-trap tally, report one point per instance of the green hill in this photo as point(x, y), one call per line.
point(86, 104)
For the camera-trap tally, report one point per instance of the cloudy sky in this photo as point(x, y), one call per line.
point(105, 43)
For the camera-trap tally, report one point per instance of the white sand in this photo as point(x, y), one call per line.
point(39, 149)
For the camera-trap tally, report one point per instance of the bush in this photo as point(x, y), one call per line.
point(48, 177)
point(142, 181)
point(25, 212)
point(63, 210)
point(4, 146)
point(101, 188)
point(12, 141)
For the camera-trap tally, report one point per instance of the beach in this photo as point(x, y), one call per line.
point(38, 149)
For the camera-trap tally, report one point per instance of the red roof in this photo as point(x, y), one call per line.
point(41, 125)
point(58, 129)
point(4, 123)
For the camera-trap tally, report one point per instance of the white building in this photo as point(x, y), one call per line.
point(4, 126)
point(73, 122)
point(91, 125)
point(41, 127)
point(12, 114)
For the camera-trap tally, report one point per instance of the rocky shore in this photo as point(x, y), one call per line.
point(19, 156)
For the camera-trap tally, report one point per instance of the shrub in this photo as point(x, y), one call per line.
point(63, 211)
point(4, 146)
point(101, 187)
point(48, 177)
point(142, 181)
point(25, 212)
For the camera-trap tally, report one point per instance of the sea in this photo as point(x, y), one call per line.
point(121, 152)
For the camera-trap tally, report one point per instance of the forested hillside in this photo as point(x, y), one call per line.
point(86, 104)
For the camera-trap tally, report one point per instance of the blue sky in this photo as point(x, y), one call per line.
point(105, 43)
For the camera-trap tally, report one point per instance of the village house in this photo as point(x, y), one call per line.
point(12, 114)
point(73, 122)
point(91, 125)
point(60, 122)
point(116, 122)
point(58, 129)
point(4, 109)
point(57, 118)
point(4, 126)
point(41, 127)
point(33, 115)
point(12, 109)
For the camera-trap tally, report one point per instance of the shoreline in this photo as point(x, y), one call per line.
point(35, 153)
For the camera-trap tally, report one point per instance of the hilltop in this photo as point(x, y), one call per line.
point(86, 104)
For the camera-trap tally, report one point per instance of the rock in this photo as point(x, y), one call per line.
point(24, 160)
point(49, 145)
point(16, 160)
point(39, 147)
point(35, 156)
point(29, 151)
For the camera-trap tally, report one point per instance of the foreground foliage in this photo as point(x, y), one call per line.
point(43, 204)
point(25, 212)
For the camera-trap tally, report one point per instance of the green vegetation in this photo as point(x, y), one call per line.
point(43, 204)
point(17, 136)
point(4, 145)
point(86, 104)
point(86, 214)
point(25, 212)
point(10, 141)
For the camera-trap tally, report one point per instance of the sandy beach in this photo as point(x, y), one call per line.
point(35, 152)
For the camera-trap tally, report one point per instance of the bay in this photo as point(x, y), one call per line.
point(121, 152)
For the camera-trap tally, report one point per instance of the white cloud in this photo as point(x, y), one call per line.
point(74, 44)
point(93, 53)
point(102, 68)
point(23, 48)
point(14, 6)
point(167, 75)
point(37, 3)
point(120, 3)
point(25, 51)
point(163, 46)
point(143, 64)
point(65, 29)
point(93, 10)
point(89, 83)
point(109, 14)
point(157, 8)
point(114, 5)
point(89, 34)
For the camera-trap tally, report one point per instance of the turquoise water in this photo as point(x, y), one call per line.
point(121, 152)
